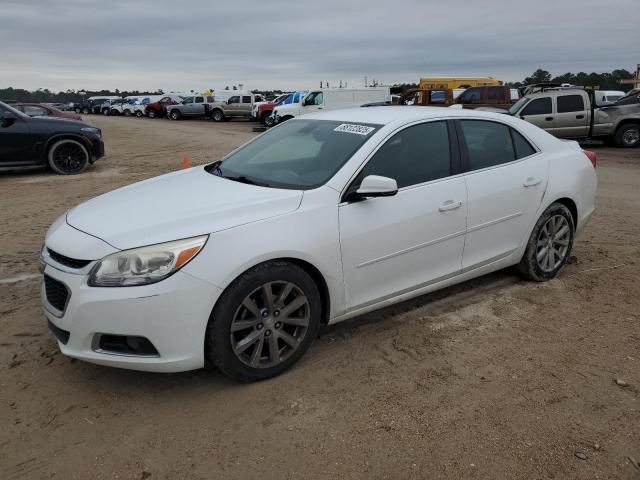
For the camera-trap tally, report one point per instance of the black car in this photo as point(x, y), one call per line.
point(91, 106)
point(67, 146)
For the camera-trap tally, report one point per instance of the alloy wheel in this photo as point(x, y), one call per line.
point(70, 157)
point(553, 243)
point(631, 136)
point(270, 324)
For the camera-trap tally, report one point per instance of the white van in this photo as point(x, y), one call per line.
point(604, 97)
point(332, 99)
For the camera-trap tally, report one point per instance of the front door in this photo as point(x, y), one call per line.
point(393, 245)
point(539, 111)
point(506, 178)
point(16, 144)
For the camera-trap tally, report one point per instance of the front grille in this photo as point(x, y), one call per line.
point(68, 262)
point(57, 293)
point(61, 335)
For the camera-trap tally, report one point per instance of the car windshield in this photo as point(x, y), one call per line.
point(518, 105)
point(298, 154)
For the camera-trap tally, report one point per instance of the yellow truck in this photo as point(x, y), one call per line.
point(432, 83)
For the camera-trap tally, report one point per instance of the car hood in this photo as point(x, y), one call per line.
point(59, 122)
point(178, 205)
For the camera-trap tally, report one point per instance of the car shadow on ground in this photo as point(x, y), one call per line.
point(440, 302)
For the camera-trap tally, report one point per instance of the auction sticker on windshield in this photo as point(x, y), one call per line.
point(351, 128)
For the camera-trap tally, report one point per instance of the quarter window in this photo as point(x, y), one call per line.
point(488, 143)
point(570, 103)
point(522, 146)
point(538, 106)
point(415, 155)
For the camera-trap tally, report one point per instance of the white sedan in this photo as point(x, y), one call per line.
point(323, 218)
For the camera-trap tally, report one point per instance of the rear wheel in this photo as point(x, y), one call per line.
point(264, 322)
point(139, 113)
point(126, 113)
point(628, 136)
point(68, 157)
point(86, 110)
point(550, 244)
point(152, 113)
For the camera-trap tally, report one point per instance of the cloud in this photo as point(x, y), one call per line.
point(291, 44)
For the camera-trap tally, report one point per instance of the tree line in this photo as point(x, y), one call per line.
point(604, 81)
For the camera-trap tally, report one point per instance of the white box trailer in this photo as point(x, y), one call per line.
point(332, 99)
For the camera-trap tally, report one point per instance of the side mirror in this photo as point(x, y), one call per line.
point(8, 118)
point(377, 186)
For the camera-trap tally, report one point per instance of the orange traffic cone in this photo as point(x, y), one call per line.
point(185, 162)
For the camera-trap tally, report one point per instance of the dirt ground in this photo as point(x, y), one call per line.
point(495, 378)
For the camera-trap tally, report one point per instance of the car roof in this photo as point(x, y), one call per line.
point(384, 115)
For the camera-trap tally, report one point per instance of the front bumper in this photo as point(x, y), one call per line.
point(171, 314)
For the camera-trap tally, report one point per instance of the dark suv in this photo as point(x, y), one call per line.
point(67, 146)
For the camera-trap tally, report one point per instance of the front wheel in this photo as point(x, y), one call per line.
point(628, 136)
point(152, 113)
point(139, 113)
point(268, 120)
point(264, 322)
point(68, 157)
point(175, 115)
point(217, 116)
point(86, 111)
point(549, 245)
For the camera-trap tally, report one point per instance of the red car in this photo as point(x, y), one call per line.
point(44, 110)
point(159, 109)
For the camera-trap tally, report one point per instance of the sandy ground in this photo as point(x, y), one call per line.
point(494, 378)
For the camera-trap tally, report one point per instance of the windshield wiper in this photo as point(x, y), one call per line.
point(248, 181)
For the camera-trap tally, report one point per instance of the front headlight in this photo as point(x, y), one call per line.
point(145, 265)
point(93, 130)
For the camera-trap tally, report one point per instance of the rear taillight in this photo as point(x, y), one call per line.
point(591, 156)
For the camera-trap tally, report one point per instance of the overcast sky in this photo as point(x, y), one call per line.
point(179, 45)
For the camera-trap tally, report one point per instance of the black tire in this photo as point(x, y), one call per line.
point(86, 110)
point(68, 157)
point(77, 110)
point(106, 112)
point(114, 113)
point(267, 119)
point(628, 136)
point(126, 112)
point(152, 113)
point(139, 113)
point(175, 114)
point(219, 337)
point(217, 115)
point(537, 269)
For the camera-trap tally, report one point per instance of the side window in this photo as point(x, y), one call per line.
point(246, 99)
point(488, 143)
point(538, 106)
point(199, 100)
point(210, 99)
point(415, 155)
point(472, 95)
point(522, 146)
point(495, 93)
point(234, 99)
point(34, 111)
point(570, 103)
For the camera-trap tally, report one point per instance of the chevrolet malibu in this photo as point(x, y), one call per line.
point(325, 217)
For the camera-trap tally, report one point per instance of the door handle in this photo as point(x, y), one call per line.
point(548, 119)
point(579, 117)
point(531, 182)
point(449, 205)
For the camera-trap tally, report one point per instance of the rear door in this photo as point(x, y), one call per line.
point(245, 105)
point(539, 111)
point(393, 245)
point(571, 119)
point(506, 177)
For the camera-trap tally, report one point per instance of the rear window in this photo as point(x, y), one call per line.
point(570, 103)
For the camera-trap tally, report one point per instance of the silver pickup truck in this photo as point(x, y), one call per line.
point(571, 113)
point(239, 105)
point(192, 106)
